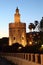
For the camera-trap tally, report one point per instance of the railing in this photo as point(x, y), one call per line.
point(36, 58)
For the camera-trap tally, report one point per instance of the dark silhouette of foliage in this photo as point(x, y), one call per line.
point(36, 23)
point(31, 26)
point(12, 49)
point(16, 46)
point(4, 41)
point(41, 37)
point(41, 23)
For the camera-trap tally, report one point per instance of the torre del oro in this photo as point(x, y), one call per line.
point(17, 30)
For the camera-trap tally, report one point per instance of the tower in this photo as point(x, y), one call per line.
point(17, 30)
point(17, 16)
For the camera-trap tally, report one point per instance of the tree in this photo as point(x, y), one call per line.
point(36, 23)
point(31, 26)
point(16, 47)
point(41, 24)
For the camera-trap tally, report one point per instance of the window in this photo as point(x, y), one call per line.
point(22, 38)
point(14, 38)
point(18, 30)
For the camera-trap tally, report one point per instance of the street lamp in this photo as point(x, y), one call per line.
point(30, 43)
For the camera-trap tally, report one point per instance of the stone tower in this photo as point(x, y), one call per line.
point(17, 30)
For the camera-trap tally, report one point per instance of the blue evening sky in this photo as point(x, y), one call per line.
point(30, 11)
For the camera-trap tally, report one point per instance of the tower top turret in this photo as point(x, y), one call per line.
point(17, 16)
point(17, 10)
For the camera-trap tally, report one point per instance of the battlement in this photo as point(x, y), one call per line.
point(17, 25)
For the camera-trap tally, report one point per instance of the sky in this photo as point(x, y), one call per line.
point(30, 11)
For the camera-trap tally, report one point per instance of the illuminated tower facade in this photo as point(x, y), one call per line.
point(17, 30)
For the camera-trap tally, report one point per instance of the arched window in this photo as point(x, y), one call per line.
point(14, 38)
point(22, 38)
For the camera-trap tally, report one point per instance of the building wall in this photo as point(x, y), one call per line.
point(17, 33)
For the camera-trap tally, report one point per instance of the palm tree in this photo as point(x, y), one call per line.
point(36, 23)
point(31, 26)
